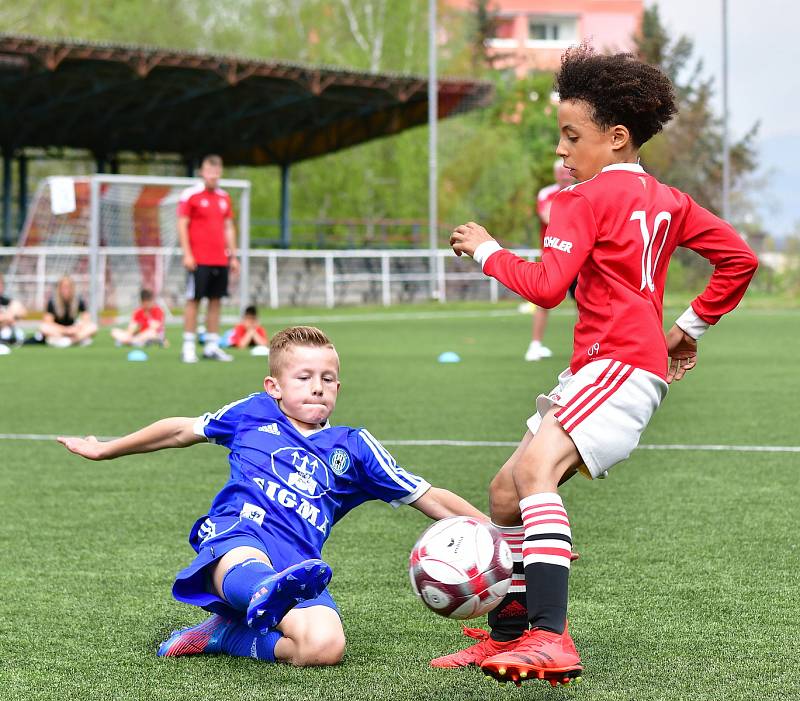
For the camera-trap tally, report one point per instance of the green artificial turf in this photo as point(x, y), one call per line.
point(687, 587)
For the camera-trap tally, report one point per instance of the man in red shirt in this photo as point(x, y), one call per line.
point(618, 227)
point(544, 201)
point(208, 240)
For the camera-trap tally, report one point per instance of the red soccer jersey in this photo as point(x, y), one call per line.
point(544, 201)
point(144, 318)
point(240, 330)
point(619, 230)
point(207, 211)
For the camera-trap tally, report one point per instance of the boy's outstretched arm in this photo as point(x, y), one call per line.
point(440, 503)
point(174, 432)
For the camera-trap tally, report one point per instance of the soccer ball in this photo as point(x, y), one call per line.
point(461, 567)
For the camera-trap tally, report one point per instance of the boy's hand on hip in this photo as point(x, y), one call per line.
point(682, 350)
point(467, 237)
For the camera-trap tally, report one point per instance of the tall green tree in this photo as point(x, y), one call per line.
point(688, 153)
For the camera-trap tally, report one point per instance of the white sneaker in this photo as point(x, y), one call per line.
point(189, 354)
point(536, 351)
point(217, 354)
point(4, 349)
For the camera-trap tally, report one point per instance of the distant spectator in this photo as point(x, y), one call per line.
point(247, 332)
point(11, 311)
point(66, 321)
point(208, 239)
point(146, 325)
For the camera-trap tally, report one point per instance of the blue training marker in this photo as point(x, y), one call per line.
point(449, 357)
point(137, 355)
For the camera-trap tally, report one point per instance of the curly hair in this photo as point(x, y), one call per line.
point(294, 336)
point(620, 89)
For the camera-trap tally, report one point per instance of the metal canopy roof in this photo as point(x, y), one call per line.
point(112, 98)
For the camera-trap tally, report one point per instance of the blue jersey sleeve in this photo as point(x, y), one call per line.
point(383, 477)
point(220, 426)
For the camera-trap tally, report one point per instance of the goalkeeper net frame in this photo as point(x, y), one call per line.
point(118, 234)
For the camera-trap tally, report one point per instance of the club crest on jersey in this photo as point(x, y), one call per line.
point(339, 461)
point(302, 471)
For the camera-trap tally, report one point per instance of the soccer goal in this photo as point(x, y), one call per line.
point(115, 234)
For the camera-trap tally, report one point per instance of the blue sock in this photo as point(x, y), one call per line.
point(241, 582)
point(241, 641)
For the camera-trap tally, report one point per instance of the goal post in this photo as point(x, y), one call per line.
point(115, 234)
point(99, 232)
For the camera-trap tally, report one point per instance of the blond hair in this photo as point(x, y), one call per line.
point(283, 341)
point(66, 307)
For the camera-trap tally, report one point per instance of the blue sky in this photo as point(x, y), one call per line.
point(763, 56)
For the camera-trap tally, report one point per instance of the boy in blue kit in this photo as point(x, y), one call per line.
point(258, 567)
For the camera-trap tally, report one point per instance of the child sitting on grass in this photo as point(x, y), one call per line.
point(146, 325)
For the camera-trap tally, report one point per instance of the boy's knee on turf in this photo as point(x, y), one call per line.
point(320, 647)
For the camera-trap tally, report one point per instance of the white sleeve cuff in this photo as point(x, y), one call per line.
point(692, 324)
point(199, 427)
point(422, 487)
point(484, 250)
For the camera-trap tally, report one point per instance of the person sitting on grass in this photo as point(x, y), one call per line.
point(146, 325)
point(248, 332)
point(66, 321)
point(258, 568)
point(11, 311)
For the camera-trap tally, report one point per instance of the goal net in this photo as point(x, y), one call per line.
point(114, 235)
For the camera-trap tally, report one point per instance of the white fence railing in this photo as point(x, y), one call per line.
point(277, 277)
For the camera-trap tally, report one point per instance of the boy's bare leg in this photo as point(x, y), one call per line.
point(311, 636)
point(189, 350)
point(536, 351)
point(190, 316)
point(547, 652)
point(212, 315)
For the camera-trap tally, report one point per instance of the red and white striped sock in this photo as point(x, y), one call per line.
point(509, 619)
point(546, 555)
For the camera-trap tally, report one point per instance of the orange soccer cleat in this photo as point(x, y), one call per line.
point(477, 653)
point(540, 654)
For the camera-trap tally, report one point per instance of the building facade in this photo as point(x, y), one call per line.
point(531, 35)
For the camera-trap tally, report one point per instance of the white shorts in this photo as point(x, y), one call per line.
point(605, 407)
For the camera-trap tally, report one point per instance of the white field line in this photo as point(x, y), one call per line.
point(497, 444)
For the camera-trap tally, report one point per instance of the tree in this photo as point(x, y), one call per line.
point(688, 153)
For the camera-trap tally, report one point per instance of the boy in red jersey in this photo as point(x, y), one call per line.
point(544, 202)
point(618, 228)
point(248, 332)
point(146, 324)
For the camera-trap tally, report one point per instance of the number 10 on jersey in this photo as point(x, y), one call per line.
point(648, 240)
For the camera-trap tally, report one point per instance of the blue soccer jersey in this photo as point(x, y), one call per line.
point(296, 486)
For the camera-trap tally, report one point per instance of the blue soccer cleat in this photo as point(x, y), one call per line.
point(282, 591)
point(202, 639)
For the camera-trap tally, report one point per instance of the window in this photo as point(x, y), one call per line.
point(549, 28)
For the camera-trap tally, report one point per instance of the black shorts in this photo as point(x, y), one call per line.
point(209, 281)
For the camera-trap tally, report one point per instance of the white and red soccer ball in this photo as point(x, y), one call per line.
point(461, 567)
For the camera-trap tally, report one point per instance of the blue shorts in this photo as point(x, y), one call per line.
point(214, 537)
